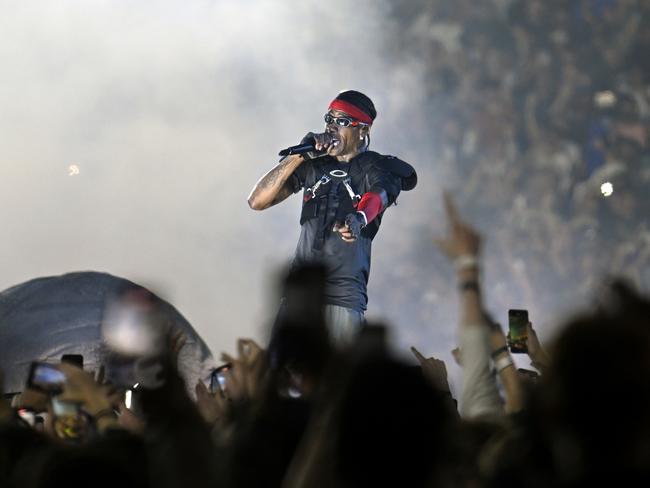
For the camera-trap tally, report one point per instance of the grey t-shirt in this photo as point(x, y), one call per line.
point(348, 263)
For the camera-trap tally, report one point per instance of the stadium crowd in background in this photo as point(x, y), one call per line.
point(538, 117)
point(540, 112)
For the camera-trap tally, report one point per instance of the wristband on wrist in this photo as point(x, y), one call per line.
point(365, 218)
point(469, 286)
point(496, 352)
point(503, 363)
point(371, 204)
point(466, 261)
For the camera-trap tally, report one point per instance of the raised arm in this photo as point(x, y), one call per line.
point(479, 394)
point(273, 187)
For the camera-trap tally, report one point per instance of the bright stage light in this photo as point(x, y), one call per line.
point(73, 170)
point(606, 189)
point(605, 99)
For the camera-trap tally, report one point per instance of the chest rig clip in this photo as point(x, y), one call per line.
point(337, 174)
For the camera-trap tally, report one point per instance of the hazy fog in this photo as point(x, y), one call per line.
point(171, 110)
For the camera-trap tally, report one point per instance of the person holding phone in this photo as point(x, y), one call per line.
point(522, 339)
point(539, 358)
point(517, 330)
point(346, 190)
point(80, 388)
point(483, 348)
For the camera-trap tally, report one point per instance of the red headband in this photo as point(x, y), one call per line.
point(351, 110)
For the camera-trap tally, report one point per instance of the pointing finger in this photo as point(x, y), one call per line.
point(450, 207)
point(418, 355)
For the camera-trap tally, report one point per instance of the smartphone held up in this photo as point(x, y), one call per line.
point(517, 331)
point(218, 379)
point(46, 377)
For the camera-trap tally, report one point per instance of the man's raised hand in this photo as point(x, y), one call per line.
point(321, 141)
point(461, 239)
point(434, 370)
point(350, 230)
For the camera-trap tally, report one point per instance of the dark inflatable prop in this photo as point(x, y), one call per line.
point(44, 318)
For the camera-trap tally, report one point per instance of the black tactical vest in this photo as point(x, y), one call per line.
point(332, 189)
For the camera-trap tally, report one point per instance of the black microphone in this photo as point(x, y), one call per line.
point(306, 145)
point(299, 149)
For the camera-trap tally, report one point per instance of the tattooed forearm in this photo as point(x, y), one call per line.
point(271, 178)
point(283, 194)
point(271, 188)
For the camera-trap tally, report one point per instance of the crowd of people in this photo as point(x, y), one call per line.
point(307, 411)
point(541, 115)
point(537, 115)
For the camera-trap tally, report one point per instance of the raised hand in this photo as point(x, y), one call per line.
point(32, 399)
point(351, 229)
point(244, 377)
point(212, 407)
point(536, 352)
point(434, 370)
point(81, 387)
point(321, 142)
point(461, 239)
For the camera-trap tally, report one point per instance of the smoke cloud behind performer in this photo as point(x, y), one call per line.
point(346, 190)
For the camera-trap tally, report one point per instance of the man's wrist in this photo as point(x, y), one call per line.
point(466, 262)
point(468, 280)
point(504, 361)
point(293, 159)
point(469, 286)
point(500, 352)
point(467, 274)
point(364, 218)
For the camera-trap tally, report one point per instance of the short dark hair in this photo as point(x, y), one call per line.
point(359, 100)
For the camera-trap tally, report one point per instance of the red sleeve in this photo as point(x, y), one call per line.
point(371, 205)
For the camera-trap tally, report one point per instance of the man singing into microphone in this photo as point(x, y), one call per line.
point(347, 188)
